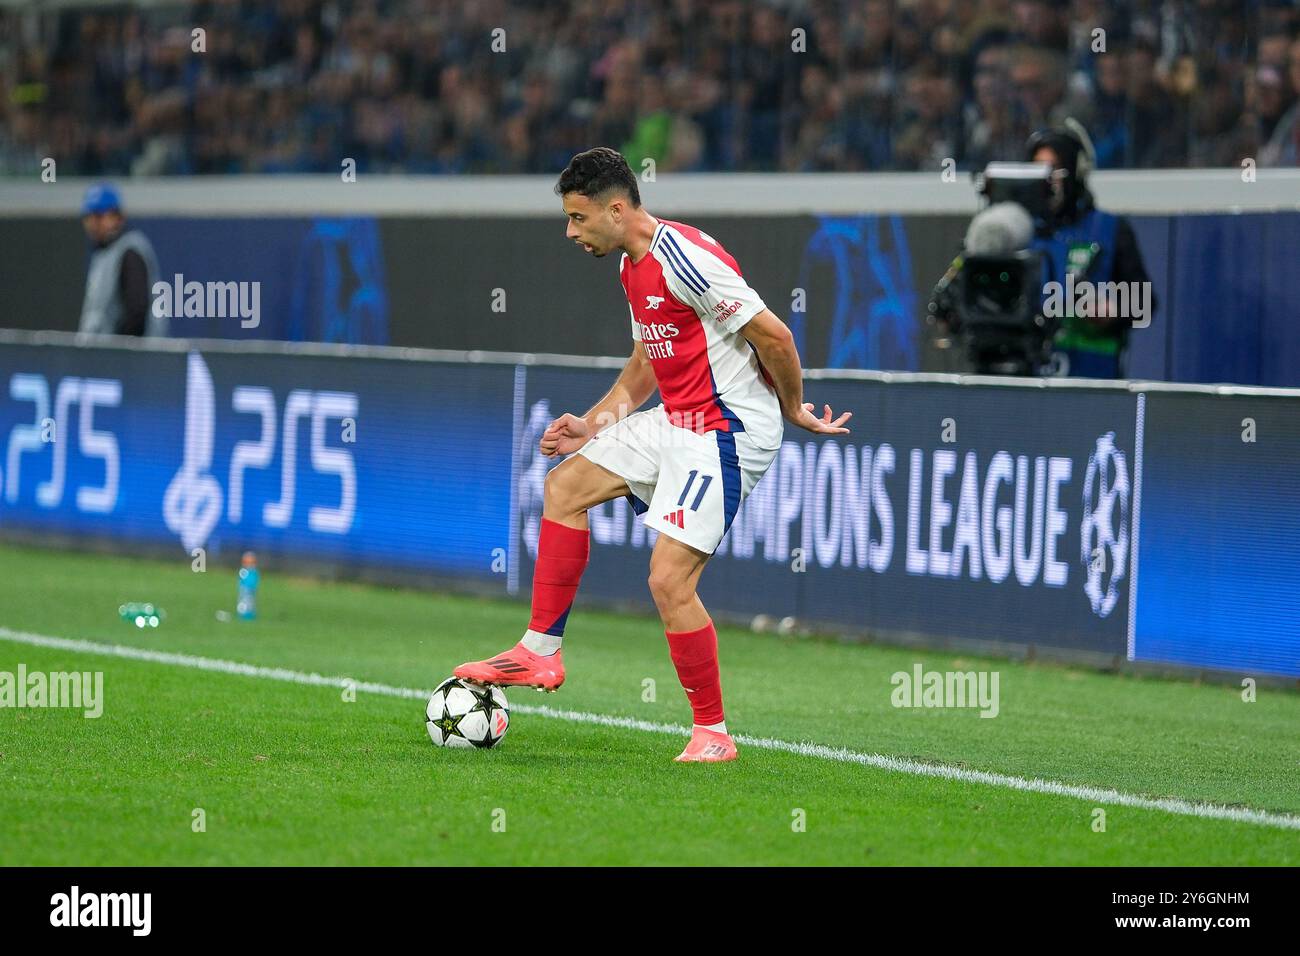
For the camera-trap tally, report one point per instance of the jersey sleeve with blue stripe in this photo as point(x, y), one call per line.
point(701, 280)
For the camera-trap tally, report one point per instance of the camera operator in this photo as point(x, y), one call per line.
point(1038, 251)
point(1078, 239)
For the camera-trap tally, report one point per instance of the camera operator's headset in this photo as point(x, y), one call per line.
point(1070, 142)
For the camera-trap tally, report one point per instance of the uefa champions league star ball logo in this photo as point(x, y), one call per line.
point(1103, 535)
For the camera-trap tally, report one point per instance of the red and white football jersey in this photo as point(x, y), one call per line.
point(688, 301)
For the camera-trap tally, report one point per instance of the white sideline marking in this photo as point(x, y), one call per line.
point(838, 754)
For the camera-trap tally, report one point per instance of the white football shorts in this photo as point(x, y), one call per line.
point(688, 484)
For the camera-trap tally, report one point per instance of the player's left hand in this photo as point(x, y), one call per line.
point(805, 418)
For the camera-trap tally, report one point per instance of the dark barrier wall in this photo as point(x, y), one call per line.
point(507, 285)
point(1220, 570)
point(1157, 526)
point(1225, 286)
point(896, 529)
point(335, 458)
point(319, 280)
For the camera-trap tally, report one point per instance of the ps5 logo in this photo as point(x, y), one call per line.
point(192, 505)
point(192, 502)
point(49, 433)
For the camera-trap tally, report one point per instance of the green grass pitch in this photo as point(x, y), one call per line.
point(288, 773)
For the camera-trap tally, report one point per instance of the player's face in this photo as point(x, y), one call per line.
point(591, 224)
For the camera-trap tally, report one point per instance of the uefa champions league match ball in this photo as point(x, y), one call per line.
point(464, 714)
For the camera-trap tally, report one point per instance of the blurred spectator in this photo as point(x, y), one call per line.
point(1268, 98)
point(990, 130)
point(930, 131)
point(1038, 82)
point(1222, 134)
point(419, 86)
point(1283, 148)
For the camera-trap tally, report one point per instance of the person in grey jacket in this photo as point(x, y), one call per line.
point(122, 272)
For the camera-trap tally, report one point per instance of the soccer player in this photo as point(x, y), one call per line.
point(728, 372)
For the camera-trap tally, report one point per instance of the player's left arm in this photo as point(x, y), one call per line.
point(774, 343)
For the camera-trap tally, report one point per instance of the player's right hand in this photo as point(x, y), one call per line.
point(565, 435)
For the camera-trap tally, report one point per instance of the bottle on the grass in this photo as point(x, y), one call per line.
point(246, 606)
point(141, 615)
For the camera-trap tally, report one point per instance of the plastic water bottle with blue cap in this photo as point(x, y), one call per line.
point(246, 606)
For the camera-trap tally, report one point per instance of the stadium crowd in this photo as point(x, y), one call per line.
point(426, 86)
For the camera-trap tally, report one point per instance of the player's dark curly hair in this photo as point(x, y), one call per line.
point(597, 171)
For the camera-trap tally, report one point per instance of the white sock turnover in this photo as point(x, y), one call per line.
point(542, 644)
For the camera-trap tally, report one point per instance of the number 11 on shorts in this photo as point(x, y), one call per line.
point(704, 486)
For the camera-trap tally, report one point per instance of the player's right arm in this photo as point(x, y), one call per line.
point(634, 385)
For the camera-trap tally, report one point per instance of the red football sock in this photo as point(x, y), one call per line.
point(695, 655)
point(561, 558)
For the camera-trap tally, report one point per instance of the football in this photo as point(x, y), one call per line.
point(464, 714)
